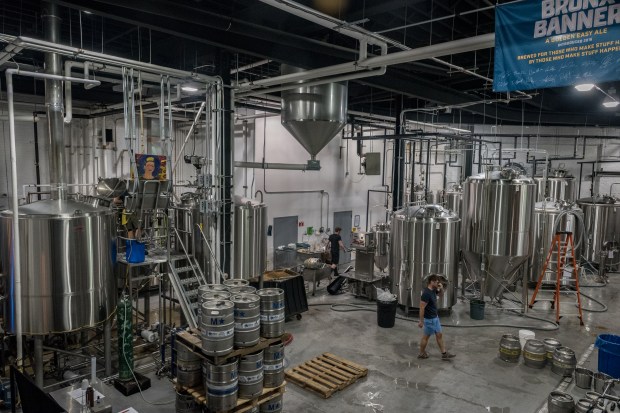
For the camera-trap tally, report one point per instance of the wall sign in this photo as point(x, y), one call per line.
point(551, 43)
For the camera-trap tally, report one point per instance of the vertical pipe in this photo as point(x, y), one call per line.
point(398, 163)
point(107, 346)
point(37, 168)
point(38, 361)
point(15, 210)
point(54, 104)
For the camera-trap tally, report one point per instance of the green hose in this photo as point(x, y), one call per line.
point(125, 338)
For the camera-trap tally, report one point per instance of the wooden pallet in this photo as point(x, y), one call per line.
point(192, 340)
point(326, 374)
point(243, 405)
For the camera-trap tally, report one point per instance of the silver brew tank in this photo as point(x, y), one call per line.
point(67, 256)
point(250, 239)
point(424, 240)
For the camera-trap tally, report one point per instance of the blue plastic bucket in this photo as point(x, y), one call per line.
point(135, 251)
point(608, 354)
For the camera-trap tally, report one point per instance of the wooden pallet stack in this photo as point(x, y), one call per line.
point(193, 341)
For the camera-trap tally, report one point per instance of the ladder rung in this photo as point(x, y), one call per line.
point(184, 269)
point(187, 281)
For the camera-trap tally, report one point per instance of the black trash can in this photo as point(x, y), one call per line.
point(476, 309)
point(386, 313)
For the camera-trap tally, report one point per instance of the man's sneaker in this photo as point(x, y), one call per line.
point(447, 355)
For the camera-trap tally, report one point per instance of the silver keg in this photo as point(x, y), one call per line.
point(211, 295)
point(247, 319)
point(584, 406)
point(185, 403)
point(254, 409)
point(251, 375)
point(273, 365)
point(509, 348)
point(550, 345)
point(272, 406)
point(560, 402)
point(564, 361)
point(211, 287)
point(242, 290)
point(534, 354)
point(271, 312)
point(236, 282)
point(221, 386)
point(217, 327)
point(188, 366)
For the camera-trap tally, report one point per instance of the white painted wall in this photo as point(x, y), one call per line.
point(339, 175)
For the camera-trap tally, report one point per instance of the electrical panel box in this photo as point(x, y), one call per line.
point(373, 163)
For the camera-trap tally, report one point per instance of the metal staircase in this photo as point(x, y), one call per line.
point(186, 277)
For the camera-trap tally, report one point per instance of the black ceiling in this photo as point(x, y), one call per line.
point(202, 35)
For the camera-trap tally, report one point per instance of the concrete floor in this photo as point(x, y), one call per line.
point(475, 381)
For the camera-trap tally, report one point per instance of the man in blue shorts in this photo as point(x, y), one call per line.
point(429, 319)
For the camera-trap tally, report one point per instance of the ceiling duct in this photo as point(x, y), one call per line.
point(314, 114)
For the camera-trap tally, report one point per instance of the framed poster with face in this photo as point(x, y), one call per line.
point(151, 167)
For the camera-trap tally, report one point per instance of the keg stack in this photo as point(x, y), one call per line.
point(236, 358)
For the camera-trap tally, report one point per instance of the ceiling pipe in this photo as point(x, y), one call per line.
point(249, 66)
point(46, 46)
point(360, 33)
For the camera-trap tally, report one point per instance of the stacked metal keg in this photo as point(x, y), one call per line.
point(221, 385)
point(236, 315)
point(272, 314)
point(217, 325)
point(188, 365)
point(273, 364)
point(247, 319)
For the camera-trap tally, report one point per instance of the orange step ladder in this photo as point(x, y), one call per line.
point(562, 248)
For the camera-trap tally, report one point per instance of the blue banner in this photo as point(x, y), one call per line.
point(551, 43)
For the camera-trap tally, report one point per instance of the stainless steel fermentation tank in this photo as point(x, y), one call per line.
point(382, 241)
point(190, 220)
point(560, 186)
point(547, 215)
point(424, 240)
point(67, 255)
point(451, 198)
point(497, 228)
point(250, 239)
point(599, 215)
point(314, 114)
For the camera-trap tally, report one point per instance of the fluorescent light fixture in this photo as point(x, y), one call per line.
point(189, 88)
point(610, 100)
point(87, 12)
point(585, 87)
point(610, 103)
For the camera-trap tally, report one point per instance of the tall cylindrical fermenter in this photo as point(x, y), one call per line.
point(560, 186)
point(549, 217)
point(190, 221)
point(67, 254)
point(250, 240)
point(424, 240)
point(451, 198)
point(598, 218)
point(497, 228)
point(382, 241)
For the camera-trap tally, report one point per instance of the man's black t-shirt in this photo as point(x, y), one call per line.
point(429, 296)
point(334, 243)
